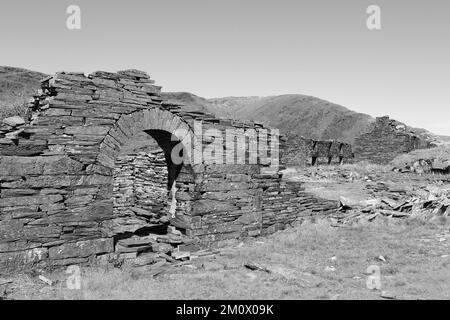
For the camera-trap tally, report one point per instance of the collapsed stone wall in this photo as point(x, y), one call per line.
point(385, 140)
point(61, 171)
point(303, 152)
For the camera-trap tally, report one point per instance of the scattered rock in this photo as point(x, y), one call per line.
point(212, 266)
point(146, 259)
point(173, 230)
point(256, 266)
point(46, 280)
point(180, 255)
point(387, 295)
point(14, 121)
point(161, 247)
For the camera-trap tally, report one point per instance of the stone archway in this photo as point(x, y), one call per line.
point(170, 132)
point(57, 172)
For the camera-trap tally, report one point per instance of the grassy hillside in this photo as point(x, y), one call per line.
point(191, 101)
point(16, 87)
point(293, 114)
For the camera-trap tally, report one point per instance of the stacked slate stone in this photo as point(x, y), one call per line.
point(284, 202)
point(346, 153)
point(386, 139)
point(303, 152)
point(154, 246)
point(151, 185)
point(10, 129)
point(241, 200)
point(229, 206)
point(64, 198)
point(140, 187)
point(123, 187)
point(54, 194)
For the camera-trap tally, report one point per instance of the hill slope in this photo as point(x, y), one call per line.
point(294, 114)
point(16, 87)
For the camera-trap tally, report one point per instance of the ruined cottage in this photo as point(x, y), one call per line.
point(386, 139)
point(300, 151)
point(103, 166)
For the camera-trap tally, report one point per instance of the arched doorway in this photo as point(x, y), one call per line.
point(144, 178)
point(145, 191)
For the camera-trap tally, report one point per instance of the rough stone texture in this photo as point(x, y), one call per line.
point(387, 139)
point(140, 187)
point(300, 151)
point(69, 194)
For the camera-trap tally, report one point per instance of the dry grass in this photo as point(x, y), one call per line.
point(362, 169)
point(13, 110)
point(16, 87)
point(365, 167)
point(309, 261)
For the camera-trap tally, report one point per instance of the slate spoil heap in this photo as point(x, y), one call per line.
point(430, 203)
point(421, 166)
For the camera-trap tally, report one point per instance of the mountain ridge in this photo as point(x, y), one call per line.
point(293, 114)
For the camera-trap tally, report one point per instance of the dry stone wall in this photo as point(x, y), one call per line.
point(140, 187)
point(65, 184)
point(386, 139)
point(303, 152)
point(243, 200)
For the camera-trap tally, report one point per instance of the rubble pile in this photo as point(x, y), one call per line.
point(430, 203)
point(421, 166)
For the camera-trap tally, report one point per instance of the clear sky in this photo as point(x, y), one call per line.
point(251, 47)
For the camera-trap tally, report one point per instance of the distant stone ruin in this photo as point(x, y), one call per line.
point(304, 152)
point(387, 139)
point(74, 188)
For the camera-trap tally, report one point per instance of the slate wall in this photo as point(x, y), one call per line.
point(59, 172)
point(302, 152)
point(386, 139)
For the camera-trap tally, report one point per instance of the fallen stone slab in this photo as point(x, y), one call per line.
point(147, 259)
point(14, 121)
point(137, 241)
point(180, 255)
point(256, 267)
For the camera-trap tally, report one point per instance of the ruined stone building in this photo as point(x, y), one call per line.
point(91, 173)
point(385, 140)
point(300, 151)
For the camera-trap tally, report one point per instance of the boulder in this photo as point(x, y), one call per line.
point(14, 121)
